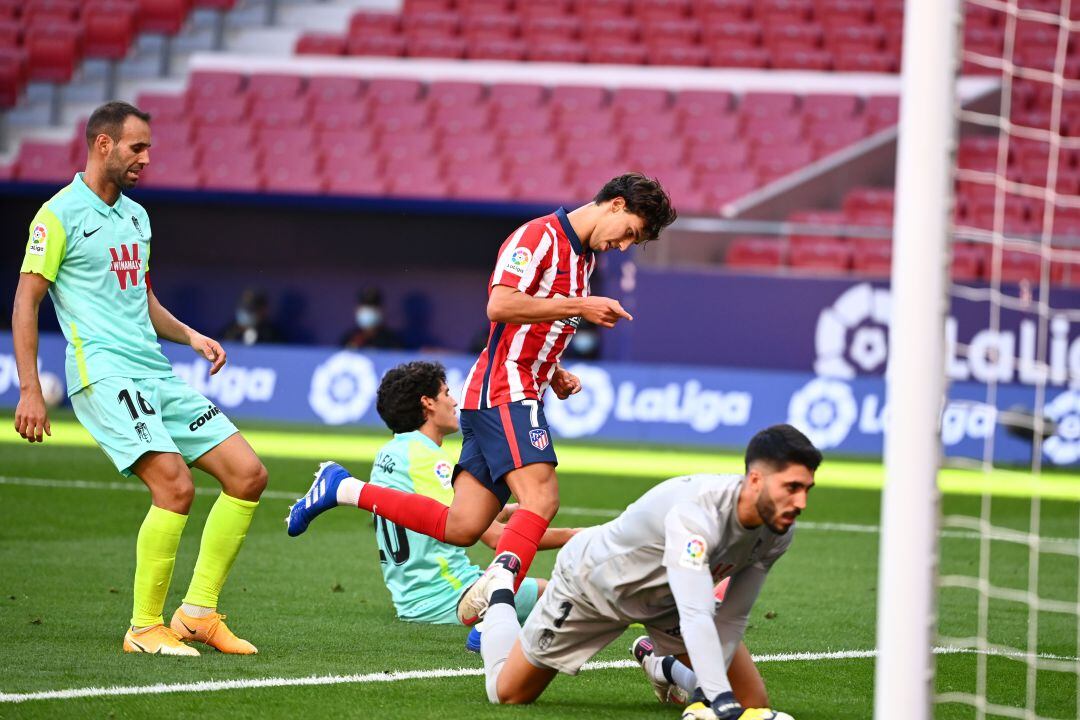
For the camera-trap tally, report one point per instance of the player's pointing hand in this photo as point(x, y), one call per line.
point(210, 349)
point(603, 311)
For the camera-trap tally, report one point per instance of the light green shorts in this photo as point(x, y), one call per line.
point(129, 418)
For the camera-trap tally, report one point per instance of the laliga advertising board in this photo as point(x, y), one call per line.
point(838, 408)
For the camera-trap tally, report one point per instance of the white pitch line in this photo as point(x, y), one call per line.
point(134, 486)
point(250, 684)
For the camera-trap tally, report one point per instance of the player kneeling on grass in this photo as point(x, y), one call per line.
point(89, 248)
point(656, 564)
point(425, 577)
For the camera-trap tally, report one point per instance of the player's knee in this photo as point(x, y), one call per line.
point(514, 697)
point(175, 493)
point(545, 504)
point(249, 481)
point(463, 534)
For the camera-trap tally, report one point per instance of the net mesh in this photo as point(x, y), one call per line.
point(1010, 565)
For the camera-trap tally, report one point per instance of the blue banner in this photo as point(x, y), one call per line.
point(664, 404)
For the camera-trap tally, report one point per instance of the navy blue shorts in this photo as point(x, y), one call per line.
point(496, 440)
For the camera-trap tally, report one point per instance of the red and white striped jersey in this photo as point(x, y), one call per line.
point(543, 258)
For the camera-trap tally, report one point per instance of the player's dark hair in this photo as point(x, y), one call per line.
point(780, 446)
point(644, 197)
point(398, 400)
point(109, 119)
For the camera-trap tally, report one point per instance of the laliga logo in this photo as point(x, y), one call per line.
point(342, 388)
point(587, 411)
point(825, 410)
point(1063, 447)
point(231, 386)
point(869, 346)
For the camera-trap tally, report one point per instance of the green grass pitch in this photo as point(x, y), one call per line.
point(315, 605)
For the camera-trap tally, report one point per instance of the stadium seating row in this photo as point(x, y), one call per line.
point(818, 35)
point(46, 40)
point(283, 133)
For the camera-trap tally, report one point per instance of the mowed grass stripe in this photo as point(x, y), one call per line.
point(628, 461)
point(388, 677)
point(1061, 545)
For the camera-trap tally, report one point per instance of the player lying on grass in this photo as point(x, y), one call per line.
point(537, 295)
point(656, 564)
point(425, 577)
point(89, 248)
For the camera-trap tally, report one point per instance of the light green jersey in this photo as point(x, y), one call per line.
point(425, 577)
point(97, 256)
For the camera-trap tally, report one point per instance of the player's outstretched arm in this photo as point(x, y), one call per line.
point(509, 305)
point(31, 416)
point(167, 326)
point(552, 538)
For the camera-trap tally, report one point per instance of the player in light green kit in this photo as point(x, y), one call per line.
point(89, 248)
point(425, 577)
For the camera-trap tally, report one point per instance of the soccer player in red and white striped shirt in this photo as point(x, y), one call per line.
point(538, 294)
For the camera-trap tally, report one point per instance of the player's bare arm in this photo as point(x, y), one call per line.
point(167, 326)
point(552, 539)
point(509, 305)
point(31, 416)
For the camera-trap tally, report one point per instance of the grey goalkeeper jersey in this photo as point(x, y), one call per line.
point(665, 552)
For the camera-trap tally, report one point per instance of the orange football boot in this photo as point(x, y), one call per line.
point(156, 640)
point(210, 630)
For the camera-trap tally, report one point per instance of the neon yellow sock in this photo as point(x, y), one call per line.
point(155, 555)
point(226, 528)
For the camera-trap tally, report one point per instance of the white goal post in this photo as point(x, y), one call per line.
point(915, 379)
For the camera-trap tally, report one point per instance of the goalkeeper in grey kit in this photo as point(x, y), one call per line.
point(656, 564)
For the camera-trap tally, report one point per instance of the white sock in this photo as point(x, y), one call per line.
point(501, 629)
point(348, 491)
point(683, 676)
point(196, 610)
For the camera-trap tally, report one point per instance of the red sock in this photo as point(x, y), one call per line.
point(409, 510)
point(521, 536)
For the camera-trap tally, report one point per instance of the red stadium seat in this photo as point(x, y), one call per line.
point(407, 146)
point(542, 29)
point(658, 128)
point(170, 134)
point(805, 36)
point(968, 262)
point(619, 52)
point(484, 7)
point(1019, 266)
point(219, 110)
point(719, 158)
point(683, 31)
point(590, 152)
point(772, 131)
point(516, 123)
point(339, 114)
point(598, 124)
point(215, 84)
point(282, 146)
point(436, 47)
point(847, 12)
point(163, 17)
point(740, 57)
point(13, 75)
point(449, 93)
point(662, 9)
point(359, 177)
point(330, 88)
point(53, 51)
point(479, 182)
point(501, 26)
point(661, 53)
point(872, 257)
point(424, 7)
point(108, 28)
point(280, 113)
point(578, 99)
point(530, 151)
point(495, 49)
point(794, 10)
point(882, 111)
point(639, 101)
point(320, 44)
point(374, 23)
point(389, 91)
point(516, 96)
point(231, 176)
point(828, 136)
point(758, 105)
point(864, 61)
point(827, 256)
point(755, 253)
point(223, 142)
point(562, 52)
point(776, 161)
point(167, 108)
point(612, 27)
point(381, 45)
point(721, 11)
point(345, 146)
point(830, 106)
point(463, 120)
point(478, 147)
point(59, 12)
point(216, 4)
point(432, 24)
point(703, 103)
point(399, 118)
point(293, 178)
point(796, 58)
point(545, 182)
point(44, 162)
point(274, 86)
point(705, 130)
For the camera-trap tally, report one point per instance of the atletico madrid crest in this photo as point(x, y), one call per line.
point(539, 438)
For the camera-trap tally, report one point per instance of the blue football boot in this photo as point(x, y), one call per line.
point(319, 498)
point(472, 643)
